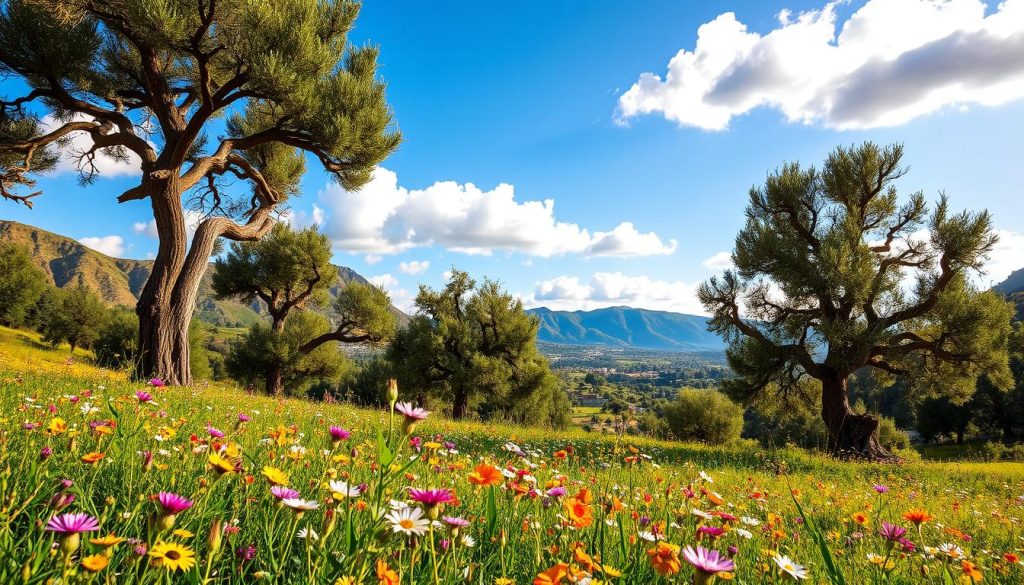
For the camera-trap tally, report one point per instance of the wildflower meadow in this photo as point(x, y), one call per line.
point(109, 481)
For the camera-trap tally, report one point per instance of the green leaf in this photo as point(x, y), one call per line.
point(492, 512)
point(384, 454)
point(834, 574)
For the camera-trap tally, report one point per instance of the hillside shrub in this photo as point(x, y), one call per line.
point(707, 416)
point(118, 338)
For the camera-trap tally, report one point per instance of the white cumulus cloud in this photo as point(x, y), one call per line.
point(109, 245)
point(387, 218)
point(891, 61)
point(384, 281)
point(610, 289)
point(414, 266)
point(719, 261)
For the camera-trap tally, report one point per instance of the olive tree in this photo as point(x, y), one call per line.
point(195, 93)
point(819, 290)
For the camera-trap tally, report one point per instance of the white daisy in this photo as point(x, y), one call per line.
point(342, 490)
point(308, 533)
point(300, 505)
point(408, 520)
point(951, 550)
point(788, 567)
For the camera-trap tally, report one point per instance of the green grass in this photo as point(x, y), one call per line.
point(516, 534)
point(969, 450)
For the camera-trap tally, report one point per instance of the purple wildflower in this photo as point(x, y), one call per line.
point(338, 433)
point(432, 497)
point(173, 503)
point(283, 493)
point(892, 532)
point(707, 561)
point(410, 412)
point(73, 523)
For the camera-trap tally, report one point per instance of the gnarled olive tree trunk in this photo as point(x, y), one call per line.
point(850, 434)
point(168, 300)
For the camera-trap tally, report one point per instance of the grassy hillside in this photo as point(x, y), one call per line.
point(627, 327)
point(119, 281)
point(619, 492)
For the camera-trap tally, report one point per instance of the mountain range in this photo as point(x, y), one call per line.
point(119, 281)
point(1013, 288)
point(627, 327)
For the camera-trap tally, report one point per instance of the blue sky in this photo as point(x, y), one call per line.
point(507, 105)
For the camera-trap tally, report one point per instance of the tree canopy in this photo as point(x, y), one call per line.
point(833, 273)
point(286, 269)
point(152, 83)
point(475, 347)
point(75, 317)
point(21, 283)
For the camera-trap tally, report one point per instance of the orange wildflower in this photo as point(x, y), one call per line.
point(578, 512)
point(93, 457)
point(971, 570)
point(552, 576)
point(581, 558)
point(485, 474)
point(665, 558)
point(385, 574)
point(918, 516)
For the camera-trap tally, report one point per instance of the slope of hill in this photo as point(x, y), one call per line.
point(1013, 288)
point(627, 327)
point(119, 281)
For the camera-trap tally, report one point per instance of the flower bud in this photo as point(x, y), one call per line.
point(214, 539)
point(70, 543)
point(392, 391)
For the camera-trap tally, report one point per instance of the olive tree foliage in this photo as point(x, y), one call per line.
point(475, 347)
point(115, 344)
point(74, 317)
point(263, 350)
point(707, 416)
point(21, 283)
point(218, 103)
point(817, 291)
point(289, 271)
point(286, 269)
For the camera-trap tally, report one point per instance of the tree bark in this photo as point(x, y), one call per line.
point(163, 327)
point(850, 435)
point(460, 404)
point(275, 380)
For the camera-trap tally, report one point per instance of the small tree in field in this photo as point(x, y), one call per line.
point(290, 270)
point(21, 283)
point(818, 291)
point(153, 83)
point(286, 269)
point(476, 344)
point(263, 352)
point(75, 317)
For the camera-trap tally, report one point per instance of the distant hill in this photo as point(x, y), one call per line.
point(118, 281)
point(627, 327)
point(1013, 288)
